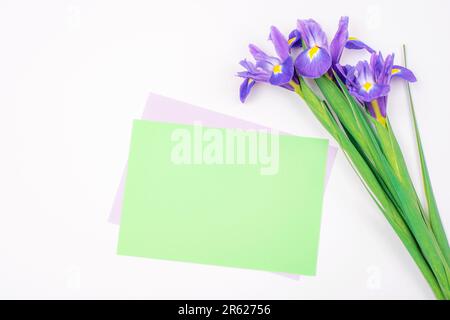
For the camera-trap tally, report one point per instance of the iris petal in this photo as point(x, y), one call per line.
point(245, 88)
point(280, 43)
point(282, 73)
point(386, 73)
point(265, 65)
point(260, 55)
point(338, 43)
point(295, 39)
point(356, 44)
point(404, 73)
point(313, 67)
point(253, 72)
point(260, 76)
point(382, 103)
point(377, 64)
point(364, 73)
point(312, 33)
point(376, 91)
point(248, 65)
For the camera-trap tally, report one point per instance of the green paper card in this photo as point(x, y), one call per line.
point(228, 197)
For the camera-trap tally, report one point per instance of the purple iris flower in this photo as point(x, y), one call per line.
point(315, 60)
point(365, 85)
point(369, 82)
point(277, 71)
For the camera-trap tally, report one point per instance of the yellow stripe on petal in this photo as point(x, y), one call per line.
point(291, 40)
point(352, 38)
point(277, 69)
point(395, 70)
point(367, 86)
point(313, 52)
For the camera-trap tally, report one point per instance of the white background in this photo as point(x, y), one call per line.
point(73, 75)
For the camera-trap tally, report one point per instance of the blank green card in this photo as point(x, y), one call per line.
point(223, 197)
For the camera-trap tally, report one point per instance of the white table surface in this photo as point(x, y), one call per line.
point(73, 75)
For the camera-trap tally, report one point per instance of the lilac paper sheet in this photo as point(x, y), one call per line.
point(159, 108)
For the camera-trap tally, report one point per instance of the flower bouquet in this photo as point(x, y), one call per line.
point(350, 102)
